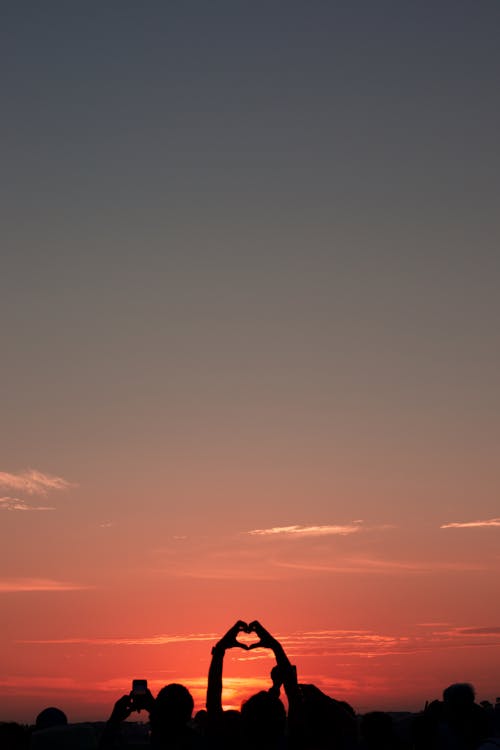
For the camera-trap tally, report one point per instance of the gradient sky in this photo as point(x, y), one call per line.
point(249, 346)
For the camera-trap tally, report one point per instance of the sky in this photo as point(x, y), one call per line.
point(249, 347)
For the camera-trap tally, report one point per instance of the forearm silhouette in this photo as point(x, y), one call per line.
point(214, 686)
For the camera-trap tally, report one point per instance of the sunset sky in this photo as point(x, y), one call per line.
point(250, 360)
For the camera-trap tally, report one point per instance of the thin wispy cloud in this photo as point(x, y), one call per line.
point(277, 558)
point(221, 574)
point(307, 531)
point(32, 683)
point(162, 639)
point(14, 504)
point(364, 644)
point(376, 566)
point(371, 644)
point(483, 631)
point(12, 585)
point(33, 482)
point(472, 524)
point(308, 642)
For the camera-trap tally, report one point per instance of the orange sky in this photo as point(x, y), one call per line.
point(249, 347)
point(374, 613)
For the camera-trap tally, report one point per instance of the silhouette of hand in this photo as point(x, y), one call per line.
point(266, 640)
point(229, 640)
point(122, 709)
point(138, 702)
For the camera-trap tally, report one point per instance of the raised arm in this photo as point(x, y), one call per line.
point(124, 706)
point(214, 686)
point(287, 672)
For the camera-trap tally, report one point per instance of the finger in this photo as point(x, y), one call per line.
point(256, 627)
point(149, 700)
point(231, 634)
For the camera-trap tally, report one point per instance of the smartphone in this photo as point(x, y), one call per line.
point(138, 693)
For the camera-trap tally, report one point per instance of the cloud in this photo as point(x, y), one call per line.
point(375, 566)
point(276, 557)
point(33, 482)
point(31, 685)
point(298, 642)
point(370, 644)
point(482, 631)
point(9, 585)
point(361, 644)
point(307, 531)
point(14, 503)
point(162, 639)
point(223, 574)
point(472, 524)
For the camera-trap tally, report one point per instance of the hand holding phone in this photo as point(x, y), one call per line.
point(139, 694)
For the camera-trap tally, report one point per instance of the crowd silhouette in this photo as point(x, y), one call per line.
point(313, 721)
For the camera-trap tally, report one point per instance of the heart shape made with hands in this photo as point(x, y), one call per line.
point(247, 643)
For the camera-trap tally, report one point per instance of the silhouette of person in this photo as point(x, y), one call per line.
point(325, 722)
point(50, 717)
point(455, 723)
point(262, 720)
point(52, 732)
point(169, 715)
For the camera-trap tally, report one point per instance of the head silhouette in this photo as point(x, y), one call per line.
point(263, 718)
point(50, 717)
point(172, 709)
point(326, 720)
point(459, 695)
